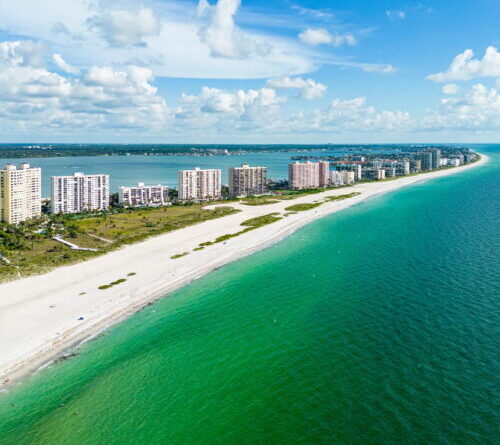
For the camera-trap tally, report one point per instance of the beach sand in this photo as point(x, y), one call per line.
point(43, 316)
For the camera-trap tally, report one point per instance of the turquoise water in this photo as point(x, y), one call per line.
point(378, 325)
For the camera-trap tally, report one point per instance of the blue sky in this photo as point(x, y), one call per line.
point(231, 71)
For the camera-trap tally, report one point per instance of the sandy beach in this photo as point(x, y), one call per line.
point(43, 316)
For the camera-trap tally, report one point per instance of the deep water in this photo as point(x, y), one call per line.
point(377, 325)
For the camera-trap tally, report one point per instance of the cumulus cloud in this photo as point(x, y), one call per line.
point(450, 88)
point(465, 67)
point(61, 63)
point(477, 109)
point(125, 28)
point(223, 37)
point(308, 88)
point(33, 97)
point(395, 14)
point(318, 36)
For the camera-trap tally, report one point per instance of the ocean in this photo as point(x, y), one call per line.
point(376, 325)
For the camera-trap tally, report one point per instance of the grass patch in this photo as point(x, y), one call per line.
point(39, 253)
point(250, 224)
point(258, 200)
point(198, 248)
point(131, 274)
point(113, 283)
point(260, 221)
point(179, 255)
point(303, 207)
point(341, 197)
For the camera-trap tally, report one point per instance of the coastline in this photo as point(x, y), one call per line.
point(32, 333)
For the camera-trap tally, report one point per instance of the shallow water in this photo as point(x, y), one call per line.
point(376, 325)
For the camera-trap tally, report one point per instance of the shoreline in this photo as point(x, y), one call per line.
point(39, 315)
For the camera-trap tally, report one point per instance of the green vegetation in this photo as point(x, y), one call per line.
point(302, 207)
point(341, 197)
point(113, 283)
point(260, 221)
point(250, 224)
point(131, 274)
point(31, 250)
point(258, 200)
point(196, 249)
point(179, 255)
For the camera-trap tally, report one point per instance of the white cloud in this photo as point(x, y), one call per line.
point(34, 98)
point(61, 63)
point(450, 88)
point(309, 89)
point(318, 36)
point(395, 14)
point(125, 28)
point(478, 109)
point(465, 67)
point(377, 68)
point(221, 34)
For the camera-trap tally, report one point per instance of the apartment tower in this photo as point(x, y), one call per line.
point(246, 180)
point(308, 175)
point(20, 193)
point(78, 193)
point(143, 195)
point(199, 185)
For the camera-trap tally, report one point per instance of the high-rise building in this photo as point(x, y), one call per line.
point(199, 185)
point(324, 169)
point(246, 180)
point(308, 174)
point(79, 193)
point(425, 158)
point(436, 157)
point(403, 167)
point(20, 193)
point(415, 165)
point(143, 195)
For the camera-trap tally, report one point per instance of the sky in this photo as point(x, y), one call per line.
point(249, 71)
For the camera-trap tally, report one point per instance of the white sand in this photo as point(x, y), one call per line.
point(32, 332)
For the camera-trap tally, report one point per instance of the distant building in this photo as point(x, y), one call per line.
point(324, 169)
point(308, 174)
point(454, 162)
point(79, 193)
point(373, 173)
point(425, 158)
point(341, 177)
point(469, 157)
point(20, 193)
point(436, 158)
point(415, 165)
point(246, 180)
point(390, 172)
point(402, 167)
point(143, 195)
point(199, 185)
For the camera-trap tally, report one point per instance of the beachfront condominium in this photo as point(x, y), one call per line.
point(341, 177)
point(143, 195)
point(247, 181)
point(199, 185)
point(20, 193)
point(308, 175)
point(79, 193)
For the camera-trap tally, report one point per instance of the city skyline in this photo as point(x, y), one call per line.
point(236, 71)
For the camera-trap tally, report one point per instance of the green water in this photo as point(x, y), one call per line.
point(378, 325)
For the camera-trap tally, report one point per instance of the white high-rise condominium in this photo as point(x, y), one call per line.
point(246, 180)
point(143, 195)
point(78, 193)
point(199, 185)
point(20, 193)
